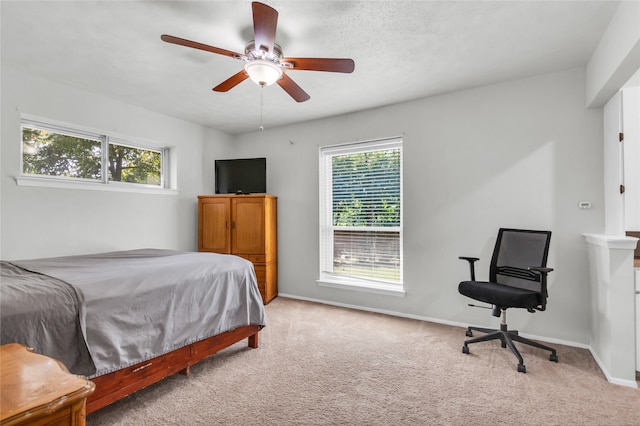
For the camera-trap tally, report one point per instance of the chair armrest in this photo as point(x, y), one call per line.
point(543, 271)
point(543, 284)
point(471, 261)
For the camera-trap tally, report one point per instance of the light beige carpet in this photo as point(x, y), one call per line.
point(324, 365)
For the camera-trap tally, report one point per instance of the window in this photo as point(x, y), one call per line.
point(135, 165)
point(361, 215)
point(49, 153)
point(65, 154)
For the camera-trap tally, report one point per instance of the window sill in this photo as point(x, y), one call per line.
point(92, 186)
point(379, 288)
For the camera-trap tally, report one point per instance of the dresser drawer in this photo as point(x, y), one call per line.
point(254, 258)
point(261, 273)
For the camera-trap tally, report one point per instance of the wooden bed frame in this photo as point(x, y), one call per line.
point(118, 384)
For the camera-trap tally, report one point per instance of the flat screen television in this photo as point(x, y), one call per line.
point(241, 176)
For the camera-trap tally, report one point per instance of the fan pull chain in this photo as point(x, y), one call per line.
point(261, 106)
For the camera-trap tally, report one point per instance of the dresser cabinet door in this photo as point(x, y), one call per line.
point(248, 228)
point(214, 224)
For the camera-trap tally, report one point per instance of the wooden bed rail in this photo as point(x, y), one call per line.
point(121, 383)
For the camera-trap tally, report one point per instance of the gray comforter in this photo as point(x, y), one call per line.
point(126, 306)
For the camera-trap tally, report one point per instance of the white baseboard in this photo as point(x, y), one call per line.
point(605, 371)
point(429, 319)
point(622, 382)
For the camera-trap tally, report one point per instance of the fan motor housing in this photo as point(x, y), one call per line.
point(252, 52)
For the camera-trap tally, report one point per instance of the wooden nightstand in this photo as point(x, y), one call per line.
point(38, 390)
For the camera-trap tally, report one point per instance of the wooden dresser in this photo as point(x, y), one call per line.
point(246, 226)
point(37, 390)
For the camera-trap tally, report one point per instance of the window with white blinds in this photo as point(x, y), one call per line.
point(361, 214)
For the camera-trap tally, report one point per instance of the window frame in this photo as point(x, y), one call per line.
point(105, 138)
point(326, 226)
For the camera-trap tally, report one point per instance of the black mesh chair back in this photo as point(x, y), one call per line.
point(515, 252)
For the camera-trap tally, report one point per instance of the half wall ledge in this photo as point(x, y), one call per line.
point(613, 337)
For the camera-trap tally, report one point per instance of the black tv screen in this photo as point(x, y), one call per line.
point(241, 176)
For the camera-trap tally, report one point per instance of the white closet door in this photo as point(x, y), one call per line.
point(613, 171)
point(631, 156)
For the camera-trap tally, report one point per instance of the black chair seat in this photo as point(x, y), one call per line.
point(499, 295)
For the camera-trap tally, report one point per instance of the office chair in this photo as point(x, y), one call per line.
point(517, 279)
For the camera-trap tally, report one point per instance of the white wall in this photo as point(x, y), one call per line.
point(616, 57)
point(213, 149)
point(40, 222)
point(517, 154)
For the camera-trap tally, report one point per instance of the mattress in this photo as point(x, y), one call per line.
point(103, 312)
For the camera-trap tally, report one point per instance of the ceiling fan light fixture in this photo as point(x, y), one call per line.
point(263, 72)
point(263, 59)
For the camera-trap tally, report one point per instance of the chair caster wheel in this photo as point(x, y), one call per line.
point(553, 357)
point(503, 344)
point(465, 349)
point(522, 368)
point(468, 333)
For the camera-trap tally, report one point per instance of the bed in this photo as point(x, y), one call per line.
point(128, 319)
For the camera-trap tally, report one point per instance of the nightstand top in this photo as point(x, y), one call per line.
point(33, 384)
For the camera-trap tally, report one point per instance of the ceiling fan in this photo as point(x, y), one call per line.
point(263, 59)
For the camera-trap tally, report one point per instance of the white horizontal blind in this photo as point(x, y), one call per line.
point(361, 211)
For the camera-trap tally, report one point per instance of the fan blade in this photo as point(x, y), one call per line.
point(196, 45)
point(231, 82)
point(321, 64)
point(293, 89)
point(265, 20)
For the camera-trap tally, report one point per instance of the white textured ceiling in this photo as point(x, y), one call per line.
point(402, 49)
